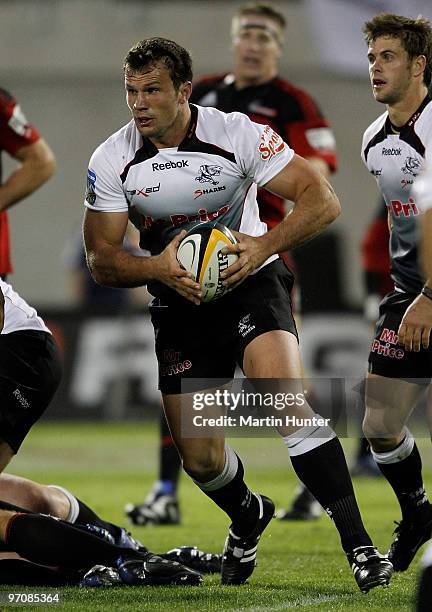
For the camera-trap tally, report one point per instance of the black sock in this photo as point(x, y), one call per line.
point(87, 515)
point(325, 473)
point(405, 478)
point(363, 449)
point(169, 459)
point(49, 541)
point(236, 499)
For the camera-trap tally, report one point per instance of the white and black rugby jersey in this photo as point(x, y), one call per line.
point(396, 159)
point(211, 176)
point(18, 315)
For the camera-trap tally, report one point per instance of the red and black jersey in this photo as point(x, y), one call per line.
point(289, 110)
point(375, 254)
point(15, 133)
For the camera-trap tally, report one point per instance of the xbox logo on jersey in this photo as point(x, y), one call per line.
point(200, 253)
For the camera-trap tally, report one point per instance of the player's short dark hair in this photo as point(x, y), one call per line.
point(264, 9)
point(415, 36)
point(150, 51)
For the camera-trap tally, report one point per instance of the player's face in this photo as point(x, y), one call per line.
point(256, 50)
point(390, 70)
point(156, 106)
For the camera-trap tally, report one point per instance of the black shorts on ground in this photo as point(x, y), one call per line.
point(388, 358)
point(30, 372)
point(207, 341)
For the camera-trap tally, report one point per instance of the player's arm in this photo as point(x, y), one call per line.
point(111, 265)
point(416, 325)
point(315, 207)
point(36, 165)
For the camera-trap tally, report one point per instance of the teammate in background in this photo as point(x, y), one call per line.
point(167, 144)
point(36, 165)
point(394, 149)
point(423, 194)
point(253, 88)
point(78, 542)
point(30, 370)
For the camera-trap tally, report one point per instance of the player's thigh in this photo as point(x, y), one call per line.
point(193, 347)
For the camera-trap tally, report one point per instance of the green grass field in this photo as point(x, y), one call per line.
point(300, 565)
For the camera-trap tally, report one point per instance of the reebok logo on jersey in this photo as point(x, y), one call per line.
point(391, 151)
point(184, 163)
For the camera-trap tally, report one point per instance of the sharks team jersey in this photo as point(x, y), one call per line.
point(395, 159)
point(18, 315)
point(211, 176)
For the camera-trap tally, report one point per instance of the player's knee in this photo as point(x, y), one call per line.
point(203, 467)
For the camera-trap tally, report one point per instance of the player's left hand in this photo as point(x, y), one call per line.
point(252, 252)
point(416, 325)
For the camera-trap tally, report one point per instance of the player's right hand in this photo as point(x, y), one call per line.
point(169, 272)
point(416, 325)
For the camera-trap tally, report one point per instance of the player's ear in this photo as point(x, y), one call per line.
point(419, 65)
point(185, 92)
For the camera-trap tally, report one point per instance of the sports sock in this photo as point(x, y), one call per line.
point(318, 460)
point(80, 513)
point(230, 492)
point(169, 460)
point(50, 541)
point(402, 467)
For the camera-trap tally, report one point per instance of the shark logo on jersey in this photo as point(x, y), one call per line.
point(207, 173)
point(412, 166)
point(90, 191)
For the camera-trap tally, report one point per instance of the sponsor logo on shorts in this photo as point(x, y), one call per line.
point(386, 345)
point(173, 364)
point(21, 399)
point(245, 326)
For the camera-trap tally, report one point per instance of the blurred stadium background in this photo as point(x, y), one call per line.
point(63, 61)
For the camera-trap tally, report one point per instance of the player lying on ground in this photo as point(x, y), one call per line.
point(58, 539)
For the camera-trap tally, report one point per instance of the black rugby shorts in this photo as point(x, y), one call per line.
point(387, 357)
point(207, 341)
point(30, 372)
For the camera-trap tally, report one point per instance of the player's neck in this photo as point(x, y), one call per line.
point(173, 136)
point(242, 82)
point(401, 111)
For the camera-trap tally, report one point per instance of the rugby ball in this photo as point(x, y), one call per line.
point(200, 253)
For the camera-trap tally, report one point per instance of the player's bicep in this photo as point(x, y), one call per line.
point(293, 179)
point(104, 230)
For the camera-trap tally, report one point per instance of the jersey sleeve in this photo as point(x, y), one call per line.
point(15, 131)
point(104, 191)
point(259, 150)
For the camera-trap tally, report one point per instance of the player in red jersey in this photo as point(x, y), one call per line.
point(254, 88)
point(36, 165)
